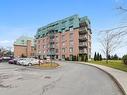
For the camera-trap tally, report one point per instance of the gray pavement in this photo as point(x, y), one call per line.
point(69, 79)
point(120, 76)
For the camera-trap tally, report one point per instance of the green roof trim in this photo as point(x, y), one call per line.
point(23, 41)
point(62, 25)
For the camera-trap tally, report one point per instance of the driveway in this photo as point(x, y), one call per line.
point(69, 79)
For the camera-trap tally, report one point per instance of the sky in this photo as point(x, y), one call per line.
point(24, 17)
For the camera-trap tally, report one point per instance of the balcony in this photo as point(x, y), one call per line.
point(51, 52)
point(83, 24)
point(52, 46)
point(82, 45)
point(82, 51)
point(52, 41)
point(83, 31)
point(52, 36)
point(82, 38)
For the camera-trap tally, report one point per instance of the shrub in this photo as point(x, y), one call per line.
point(86, 58)
point(124, 59)
point(73, 58)
point(95, 56)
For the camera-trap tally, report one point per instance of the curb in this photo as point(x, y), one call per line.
point(111, 76)
point(44, 68)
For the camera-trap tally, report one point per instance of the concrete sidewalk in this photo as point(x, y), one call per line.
point(119, 76)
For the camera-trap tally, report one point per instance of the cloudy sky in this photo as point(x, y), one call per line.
point(23, 17)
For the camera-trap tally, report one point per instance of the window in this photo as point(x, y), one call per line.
point(63, 22)
point(47, 45)
point(71, 36)
point(89, 37)
point(38, 46)
point(57, 38)
point(22, 40)
point(90, 50)
point(63, 29)
point(71, 19)
point(63, 36)
point(39, 51)
point(89, 56)
point(63, 49)
point(63, 44)
point(56, 50)
point(56, 56)
point(56, 44)
point(71, 43)
point(71, 28)
point(90, 44)
point(43, 46)
point(63, 56)
point(71, 50)
point(56, 31)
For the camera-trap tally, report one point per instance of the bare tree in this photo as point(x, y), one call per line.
point(121, 9)
point(112, 39)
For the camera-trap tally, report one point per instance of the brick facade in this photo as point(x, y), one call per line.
point(72, 41)
point(21, 50)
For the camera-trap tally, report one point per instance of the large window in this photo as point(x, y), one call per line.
point(63, 37)
point(43, 40)
point(57, 39)
point(71, 28)
point(63, 43)
point(43, 46)
point(57, 44)
point(71, 36)
point(71, 43)
point(71, 50)
point(38, 46)
point(63, 49)
point(56, 50)
point(38, 41)
point(63, 56)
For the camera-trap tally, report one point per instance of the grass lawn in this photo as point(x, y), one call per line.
point(47, 65)
point(117, 64)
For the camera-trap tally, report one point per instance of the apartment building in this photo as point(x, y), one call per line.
point(69, 39)
point(24, 47)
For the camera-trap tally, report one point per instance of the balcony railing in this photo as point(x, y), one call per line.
point(82, 51)
point(52, 41)
point(83, 30)
point(83, 45)
point(52, 46)
point(82, 38)
point(51, 53)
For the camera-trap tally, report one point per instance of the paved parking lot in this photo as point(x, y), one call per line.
point(69, 79)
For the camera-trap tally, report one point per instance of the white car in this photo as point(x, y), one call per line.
point(28, 61)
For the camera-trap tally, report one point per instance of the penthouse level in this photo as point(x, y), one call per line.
point(62, 25)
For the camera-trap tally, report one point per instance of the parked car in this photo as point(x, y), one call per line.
point(1, 59)
point(19, 61)
point(48, 59)
point(6, 59)
point(12, 61)
point(28, 61)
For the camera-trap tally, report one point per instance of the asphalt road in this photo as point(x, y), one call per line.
point(69, 79)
